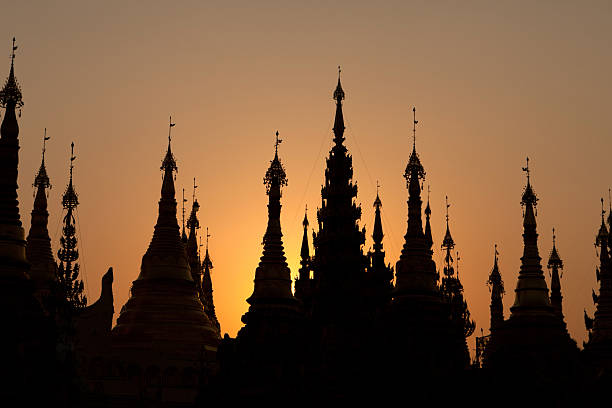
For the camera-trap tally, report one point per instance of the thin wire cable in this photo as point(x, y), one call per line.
point(314, 165)
point(387, 226)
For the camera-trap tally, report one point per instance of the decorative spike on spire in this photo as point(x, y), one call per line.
point(183, 233)
point(496, 287)
point(554, 265)
point(339, 119)
point(448, 243)
point(377, 234)
point(305, 251)
point(602, 236)
point(414, 167)
point(275, 175)
point(70, 199)
point(11, 92)
point(428, 235)
point(42, 179)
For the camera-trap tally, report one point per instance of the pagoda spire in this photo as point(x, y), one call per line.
point(377, 235)
point(207, 287)
point(304, 272)
point(272, 277)
point(428, 236)
point(554, 265)
point(416, 270)
point(193, 224)
point(166, 244)
point(531, 290)
point(339, 119)
point(338, 279)
point(10, 99)
point(451, 287)
point(38, 249)
point(496, 287)
point(381, 274)
point(68, 272)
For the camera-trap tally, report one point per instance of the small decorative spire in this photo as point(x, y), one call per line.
point(602, 236)
point(529, 196)
point(305, 251)
point(448, 243)
point(554, 265)
point(42, 179)
point(339, 92)
point(275, 175)
point(11, 92)
point(496, 287)
point(70, 199)
point(414, 166)
point(169, 164)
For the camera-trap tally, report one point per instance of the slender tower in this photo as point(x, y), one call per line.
point(496, 287)
point(555, 264)
point(164, 313)
point(193, 224)
point(304, 282)
point(14, 265)
point(44, 269)
point(339, 263)
point(272, 297)
point(71, 286)
point(422, 332)
point(416, 275)
point(380, 275)
point(207, 288)
point(452, 289)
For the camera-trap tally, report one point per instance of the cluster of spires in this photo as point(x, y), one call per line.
point(272, 281)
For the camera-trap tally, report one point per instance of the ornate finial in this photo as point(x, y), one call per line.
point(192, 221)
point(377, 202)
point(70, 198)
point(447, 207)
point(207, 236)
point(496, 253)
point(414, 127)
point(278, 141)
point(41, 178)
point(339, 93)
point(11, 92)
point(554, 237)
point(44, 149)
point(529, 196)
point(170, 126)
point(448, 241)
point(305, 221)
point(554, 259)
point(169, 164)
point(275, 173)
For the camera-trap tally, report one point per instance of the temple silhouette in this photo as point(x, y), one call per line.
point(350, 327)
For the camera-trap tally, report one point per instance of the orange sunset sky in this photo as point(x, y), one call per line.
point(493, 82)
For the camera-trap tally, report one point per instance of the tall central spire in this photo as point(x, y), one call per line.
point(339, 119)
point(339, 263)
point(531, 290)
point(166, 257)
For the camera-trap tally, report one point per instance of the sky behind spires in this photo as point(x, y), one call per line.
point(492, 83)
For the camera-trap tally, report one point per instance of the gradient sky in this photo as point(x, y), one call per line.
point(493, 82)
